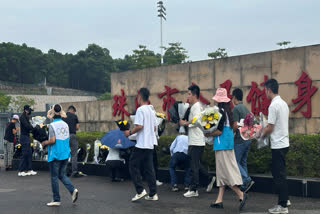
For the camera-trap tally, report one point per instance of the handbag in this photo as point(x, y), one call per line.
point(225, 140)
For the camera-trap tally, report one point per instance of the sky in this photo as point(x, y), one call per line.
point(202, 26)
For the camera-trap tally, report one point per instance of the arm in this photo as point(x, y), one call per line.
point(268, 130)
point(77, 126)
point(235, 126)
point(51, 141)
point(173, 145)
point(272, 117)
point(214, 133)
point(25, 123)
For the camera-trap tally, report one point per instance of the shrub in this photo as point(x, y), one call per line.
point(303, 158)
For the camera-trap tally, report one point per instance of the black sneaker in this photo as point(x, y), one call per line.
point(248, 186)
point(243, 201)
point(175, 188)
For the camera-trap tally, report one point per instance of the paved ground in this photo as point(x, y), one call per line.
point(28, 195)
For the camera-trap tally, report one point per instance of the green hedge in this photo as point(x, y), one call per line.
point(303, 158)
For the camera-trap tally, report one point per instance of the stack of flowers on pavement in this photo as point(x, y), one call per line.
point(252, 128)
point(208, 121)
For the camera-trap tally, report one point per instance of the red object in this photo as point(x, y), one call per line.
point(258, 98)
point(227, 85)
point(305, 92)
point(136, 104)
point(168, 101)
point(201, 98)
point(119, 104)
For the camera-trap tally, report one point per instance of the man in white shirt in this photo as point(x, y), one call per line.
point(196, 144)
point(142, 155)
point(278, 129)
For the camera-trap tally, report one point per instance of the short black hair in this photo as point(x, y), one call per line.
point(195, 90)
point(238, 94)
point(57, 108)
point(273, 85)
point(72, 108)
point(144, 93)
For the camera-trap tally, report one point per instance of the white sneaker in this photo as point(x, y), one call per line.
point(75, 195)
point(278, 210)
point(139, 196)
point(54, 204)
point(288, 203)
point(153, 198)
point(210, 185)
point(158, 183)
point(190, 194)
point(23, 174)
point(32, 172)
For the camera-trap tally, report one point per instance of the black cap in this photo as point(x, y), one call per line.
point(27, 107)
point(123, 125)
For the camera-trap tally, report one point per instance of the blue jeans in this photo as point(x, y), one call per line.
point(58, 170)
point(179, 158)
point(241, 151)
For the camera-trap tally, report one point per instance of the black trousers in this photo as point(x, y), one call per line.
point(117, 168)
point(195, 153)
point(279, 174)
point(26, 160)
point(142, 158)
point(155, 162)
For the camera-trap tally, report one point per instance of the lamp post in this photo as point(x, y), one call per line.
point(162, 14)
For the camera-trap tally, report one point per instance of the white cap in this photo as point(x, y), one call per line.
point(15, 117)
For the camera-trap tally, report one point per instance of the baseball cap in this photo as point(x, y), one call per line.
point(15, 117)
point(27, 107)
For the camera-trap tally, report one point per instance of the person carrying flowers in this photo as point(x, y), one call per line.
point(227, 170)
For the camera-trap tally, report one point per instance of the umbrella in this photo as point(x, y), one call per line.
point(116, 139)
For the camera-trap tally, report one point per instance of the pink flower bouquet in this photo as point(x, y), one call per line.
point(251, 128)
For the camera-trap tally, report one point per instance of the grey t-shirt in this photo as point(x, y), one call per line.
point(239, 112)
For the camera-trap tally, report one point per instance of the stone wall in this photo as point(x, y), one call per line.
point(284, 65)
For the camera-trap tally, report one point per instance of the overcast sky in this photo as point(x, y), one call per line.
point(202, 26)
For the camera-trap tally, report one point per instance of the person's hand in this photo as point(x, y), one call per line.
point(41, 126)
point(182, 122)
point(126, 133)
point(17, 129)
point(207, 135)
point(43, 144)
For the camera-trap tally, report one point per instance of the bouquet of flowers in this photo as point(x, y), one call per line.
point(208, 121)
point(39, 132)
point(182, 109)
point(252, 128)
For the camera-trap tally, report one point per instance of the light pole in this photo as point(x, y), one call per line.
point(162, 14)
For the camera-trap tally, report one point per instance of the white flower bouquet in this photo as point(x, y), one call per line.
point(182, 109)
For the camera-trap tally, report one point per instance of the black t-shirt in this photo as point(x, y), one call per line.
point(9, 136)
point(72, 121)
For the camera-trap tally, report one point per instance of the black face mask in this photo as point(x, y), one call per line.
point(29, 113)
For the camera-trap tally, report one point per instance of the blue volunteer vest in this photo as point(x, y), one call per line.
point(60, 150)
point(225, 140)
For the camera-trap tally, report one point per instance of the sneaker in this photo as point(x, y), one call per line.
point(32, 172)
point(153, 198)
point(288, 203)
point(190, 194)
point(75, 195)
point(186, 188)
point(175, 188)
point(158, 183)
point(23, 174)
point(54, 204)
point(209, 188)
point(278, 210)
point(139, 196)
point(248, 186)
point(243, 201)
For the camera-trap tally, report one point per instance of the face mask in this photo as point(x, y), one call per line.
point(29, 112)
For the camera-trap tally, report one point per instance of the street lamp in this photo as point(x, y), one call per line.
point(162, 14)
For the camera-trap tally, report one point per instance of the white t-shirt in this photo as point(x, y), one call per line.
point(279, 117)
point(114, 154)
point(146, 136)
point(195, 135)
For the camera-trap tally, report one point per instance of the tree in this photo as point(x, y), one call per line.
point(284, 44)
point(4, 102)
point(175, 54)
point(219, 53)
point(20, 101)
point(105, 96)
point(144, 58)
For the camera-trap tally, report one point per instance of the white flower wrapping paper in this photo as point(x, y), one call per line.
point(37, 120)
point(182, 108)
point(262, 141)
point(199, 122)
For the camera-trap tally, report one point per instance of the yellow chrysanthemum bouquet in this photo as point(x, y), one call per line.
point(208, 121)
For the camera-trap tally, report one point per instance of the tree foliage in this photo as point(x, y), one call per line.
point(283, 44)
point(174, 54)
point(20, 101)
point(4, 102)
point(219, 53)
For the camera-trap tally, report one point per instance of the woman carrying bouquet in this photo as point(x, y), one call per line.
point(227, 170)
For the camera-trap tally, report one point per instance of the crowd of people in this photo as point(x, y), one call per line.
point(186, 151)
